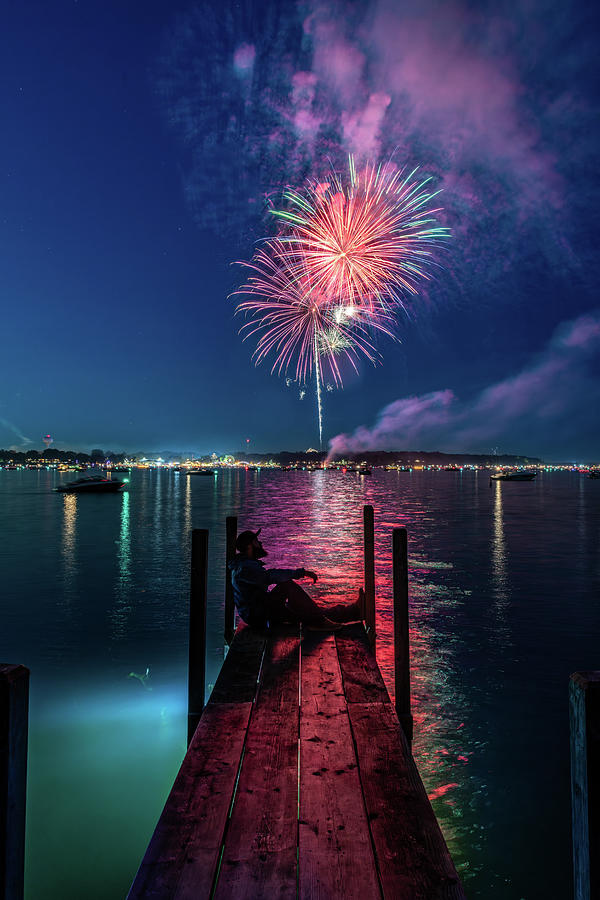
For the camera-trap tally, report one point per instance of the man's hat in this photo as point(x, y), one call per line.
point(246, 538)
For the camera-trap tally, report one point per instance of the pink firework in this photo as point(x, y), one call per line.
point(298, 324)
point(365, 239)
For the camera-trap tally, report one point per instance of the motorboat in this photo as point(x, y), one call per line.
point(94, 484)
point(364, 470)
point(594, 473)
point(201, 472)
point(513, 476)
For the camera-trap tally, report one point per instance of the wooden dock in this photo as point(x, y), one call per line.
point(299, 779)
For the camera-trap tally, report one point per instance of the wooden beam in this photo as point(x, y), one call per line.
point(183, 856)
point(231, 524)
point(360, 673)
point(401, 630)
point(369, 553)
point(259, 856)
point(238, 678)
point(14, 708)
point(335, 856)
point(197, 637)
point(413, 859)
point(584, 710)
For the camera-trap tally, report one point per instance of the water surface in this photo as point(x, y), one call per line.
point(504, 606)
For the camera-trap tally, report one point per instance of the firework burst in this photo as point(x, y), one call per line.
point(349, 253)
point(366, 239)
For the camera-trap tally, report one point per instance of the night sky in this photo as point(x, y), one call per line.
point(142, 144)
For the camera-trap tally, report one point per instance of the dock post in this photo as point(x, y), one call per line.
point(584, 714)
point(230, 536)
point(401, 633)
point(197, 645)
point(14, 708)
point(369, 537)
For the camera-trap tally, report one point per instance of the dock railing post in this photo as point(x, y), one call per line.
point(197, 644)
point(230, 536)
point(401, 633)
point(584, 715)
point(369, 552)
point(14, 709)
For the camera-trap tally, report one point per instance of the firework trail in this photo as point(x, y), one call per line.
point(299, 326)
point(349, 253)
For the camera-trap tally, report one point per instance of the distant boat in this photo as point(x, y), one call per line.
point(95, 484)
point(201, 472)
point(595, 473)
point(118, 469)
point(364, 470)
point(513, 476)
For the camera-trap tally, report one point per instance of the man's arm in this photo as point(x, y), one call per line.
point(276, 576)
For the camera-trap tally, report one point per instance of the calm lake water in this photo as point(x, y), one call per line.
point(504, 587)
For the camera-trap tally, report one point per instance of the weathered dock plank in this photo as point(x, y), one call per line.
point(299, 782)
point(183, 854)
point(259, 858)
point(238, 679)
point(360, 673)
point(335, 856)
point(414, 862)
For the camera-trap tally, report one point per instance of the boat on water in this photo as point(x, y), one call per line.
point(94, 484)
point(594, 473)
point(513, 476)
point(364, 470)
point(201, 472)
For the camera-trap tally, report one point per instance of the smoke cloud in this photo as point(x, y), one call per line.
point(550, 400)
point(23, 440)
point(263, 96)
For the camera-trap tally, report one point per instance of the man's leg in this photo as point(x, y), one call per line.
point(299, 605)
point(347, 612)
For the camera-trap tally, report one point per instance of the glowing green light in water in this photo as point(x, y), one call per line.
point(143, 679)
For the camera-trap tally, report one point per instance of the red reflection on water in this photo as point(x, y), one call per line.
point(441, 790)
point(315, 520)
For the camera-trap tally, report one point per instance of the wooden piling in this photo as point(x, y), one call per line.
point(197, 640)
point(401, 632)
point(369, 553)
point(230, 536)
point(14, 707)
point(584, 714)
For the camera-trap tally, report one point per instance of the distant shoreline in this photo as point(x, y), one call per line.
point(284, 457)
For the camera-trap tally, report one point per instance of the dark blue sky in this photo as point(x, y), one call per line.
point(140, 142)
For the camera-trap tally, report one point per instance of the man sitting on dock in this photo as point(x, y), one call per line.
point(286, 602)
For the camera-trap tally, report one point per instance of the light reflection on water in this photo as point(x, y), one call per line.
point(69, 559)
point(499, 576)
